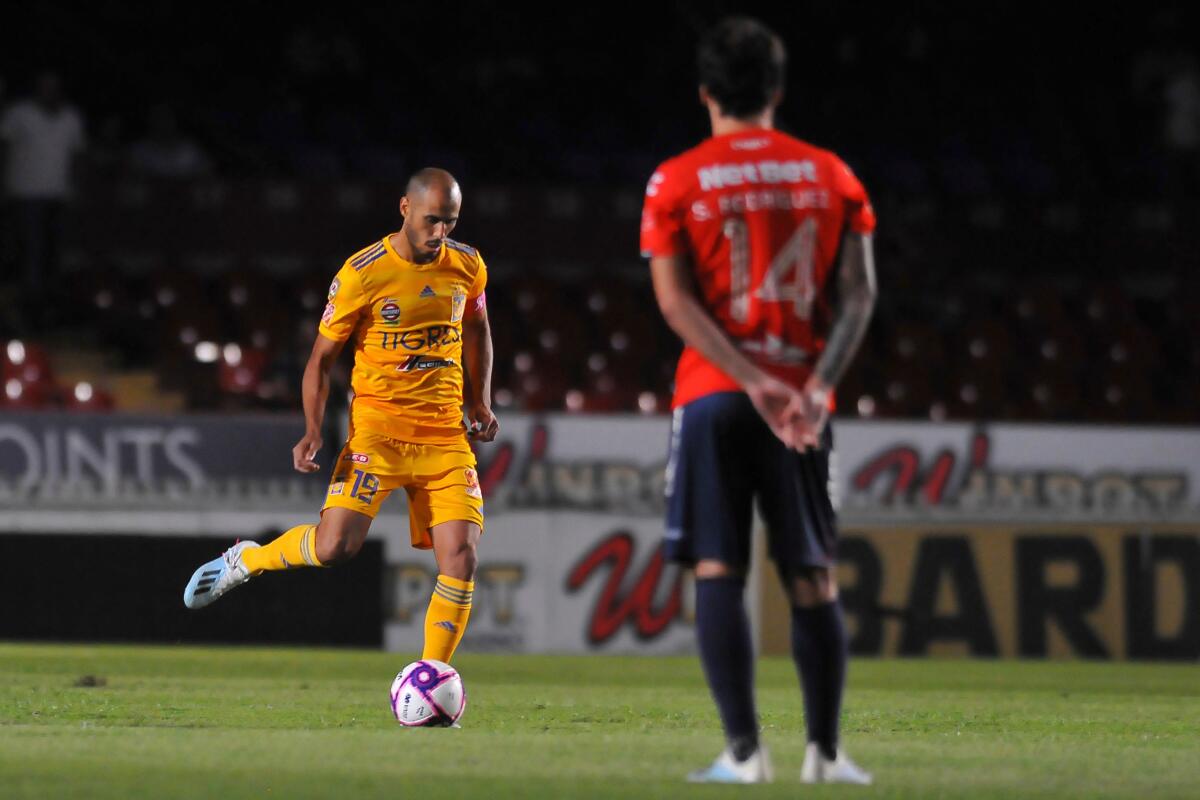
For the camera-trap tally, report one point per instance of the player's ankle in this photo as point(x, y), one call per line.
point(743, 747)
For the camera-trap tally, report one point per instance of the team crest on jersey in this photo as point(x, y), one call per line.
point(327, 314)
point(389, 312)
point(473, 483)
point(458, 304)
point(333, 288)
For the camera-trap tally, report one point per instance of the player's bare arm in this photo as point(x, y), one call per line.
point(477, 360)
point(779, 404)
point(315, 392)
point(855, 305)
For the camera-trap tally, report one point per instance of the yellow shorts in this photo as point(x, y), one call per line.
point(440, 480)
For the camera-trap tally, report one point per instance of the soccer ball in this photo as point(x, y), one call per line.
point(428, 694)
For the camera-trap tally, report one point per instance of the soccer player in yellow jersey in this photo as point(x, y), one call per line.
point(413, 304)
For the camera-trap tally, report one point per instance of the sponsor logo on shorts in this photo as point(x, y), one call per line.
point(337, 487)
point(473, 483)
point(328, 313)
point(358, 458)
point(390, 312)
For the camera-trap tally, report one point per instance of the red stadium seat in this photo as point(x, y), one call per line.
point(245, 292)
point(862, 378)
point(539, 392)
point(984, 344)
point(1039, 304)
point(627, 368)
point(1060, 348)
point(184, 328)
point(535, 297)
point(606, 394)
point(976, 395)
point(653, 403)
point(1048, 394)
point(915, 343)
point(170, 289)
point(906, 392)
point(1108, 305)
point(29, 395)
point(1121, 396)
point(105, 294)
point(240, 369)
point(25, 361)
point(269, 327)
point(84, 396)
point(1129, 347)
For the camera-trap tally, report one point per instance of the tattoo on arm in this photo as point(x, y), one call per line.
point(856, 290)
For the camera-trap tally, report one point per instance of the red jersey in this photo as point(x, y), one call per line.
point(760, 216)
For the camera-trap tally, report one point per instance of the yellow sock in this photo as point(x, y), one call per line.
point(296, 547)
point(446, 619)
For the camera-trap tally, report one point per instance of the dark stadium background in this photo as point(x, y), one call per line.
point(1018, 440)
point(1037, 244)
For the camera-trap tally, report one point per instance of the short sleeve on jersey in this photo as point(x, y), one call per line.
point(663, 232)
point(860, 214)
point(344, 307)
point(480, 279)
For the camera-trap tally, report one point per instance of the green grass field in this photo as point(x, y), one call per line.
point(229, 722)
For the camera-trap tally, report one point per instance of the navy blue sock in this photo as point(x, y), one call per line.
point(723, 633)
point(819, 648)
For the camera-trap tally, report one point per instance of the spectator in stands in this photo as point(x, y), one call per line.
point(1166, 84)
point(165, 152)
point(1181, 129)
point(42, 138)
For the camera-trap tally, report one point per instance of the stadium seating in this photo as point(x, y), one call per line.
point(234, 333)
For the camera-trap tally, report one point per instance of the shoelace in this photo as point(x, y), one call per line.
point(231, 555)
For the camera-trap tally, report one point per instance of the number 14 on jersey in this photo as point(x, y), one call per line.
point(789, 277)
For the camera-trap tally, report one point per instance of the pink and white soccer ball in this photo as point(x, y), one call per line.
point(428, 693)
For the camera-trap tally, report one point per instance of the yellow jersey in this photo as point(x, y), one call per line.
point(406, 321)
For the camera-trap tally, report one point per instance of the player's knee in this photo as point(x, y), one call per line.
point(814, 586)
point(337, 545)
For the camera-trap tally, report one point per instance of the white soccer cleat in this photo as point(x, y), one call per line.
point(217, 577)
point(727, 769)
point(819, 769)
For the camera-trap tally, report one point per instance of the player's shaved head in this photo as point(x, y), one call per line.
point(431, 179)
point(430, 209)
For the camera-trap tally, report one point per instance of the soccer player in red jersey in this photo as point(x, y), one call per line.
point(761, 258)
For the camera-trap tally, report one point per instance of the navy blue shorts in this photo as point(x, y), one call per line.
point(723, 456)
